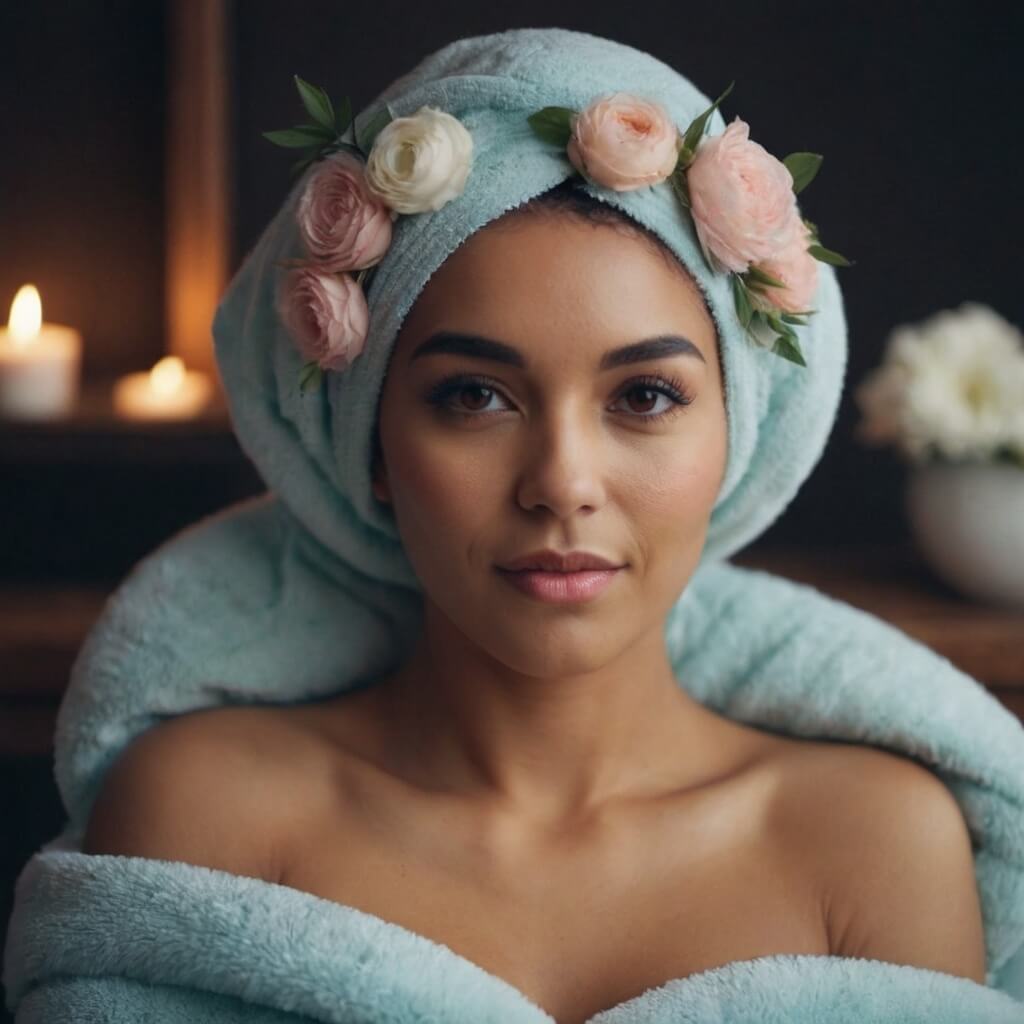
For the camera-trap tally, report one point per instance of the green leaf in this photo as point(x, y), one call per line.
point(679, 186)
point(553, 124)
point(380, 119)
point(317, 103)
point(759, 280)
point(794, 318)
point(778, 325)
point(756, 321)
point(803, 167)
point(743, 307)
point(294, 138)
point(310, 376)
point(812, 227)
point(696, 129)
point(819, 252)
point(317, 130)
point(343, 116)
point(789, 348)
point(337, 146)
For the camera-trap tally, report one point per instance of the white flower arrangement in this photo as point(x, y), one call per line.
point(950, 389)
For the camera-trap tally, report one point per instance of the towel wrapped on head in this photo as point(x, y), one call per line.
point(307, 591)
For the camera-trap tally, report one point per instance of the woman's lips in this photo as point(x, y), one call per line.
point(561, 587)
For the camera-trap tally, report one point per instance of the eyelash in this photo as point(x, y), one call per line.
point(671, 387)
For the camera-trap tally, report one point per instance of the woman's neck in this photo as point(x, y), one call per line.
point(546, 749)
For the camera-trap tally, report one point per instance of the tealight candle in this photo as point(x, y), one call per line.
point(166, 391)
point(40, 363)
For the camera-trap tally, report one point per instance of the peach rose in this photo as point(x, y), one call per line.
point(326, 315)
point(344, 226)
point(797, 269)
point(622, 142)
point(742, 199)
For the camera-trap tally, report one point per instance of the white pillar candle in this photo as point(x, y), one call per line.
point(40, 363)
point(166, 391)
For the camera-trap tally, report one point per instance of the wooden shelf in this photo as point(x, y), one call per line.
point(93, 429)
point(42, 628)
point(41, 631)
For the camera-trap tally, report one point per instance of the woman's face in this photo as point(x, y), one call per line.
point(488, 459)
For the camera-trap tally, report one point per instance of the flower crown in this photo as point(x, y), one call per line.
point(741, 199)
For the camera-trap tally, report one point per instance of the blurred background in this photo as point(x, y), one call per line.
point(135, 178)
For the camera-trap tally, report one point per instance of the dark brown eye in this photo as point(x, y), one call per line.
point(650, 398)
point(479, 389)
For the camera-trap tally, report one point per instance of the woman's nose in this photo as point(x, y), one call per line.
point(564, 465)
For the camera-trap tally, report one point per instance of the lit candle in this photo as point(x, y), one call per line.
point(166, 391)
point(40, 363)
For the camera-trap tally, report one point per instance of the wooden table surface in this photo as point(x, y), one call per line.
point(42, 628)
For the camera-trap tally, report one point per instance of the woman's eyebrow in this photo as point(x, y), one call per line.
point(458, 343)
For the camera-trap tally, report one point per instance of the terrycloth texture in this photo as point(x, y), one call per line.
point(211, 947)
point(245, 606)
point(307, 591)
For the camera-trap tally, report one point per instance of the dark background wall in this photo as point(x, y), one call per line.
point(82, 171)
point(913, 104)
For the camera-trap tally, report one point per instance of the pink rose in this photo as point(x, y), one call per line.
point(326, 315)
point(343, 224)
point(624, 142)
point(741, 197)
point(797, 269)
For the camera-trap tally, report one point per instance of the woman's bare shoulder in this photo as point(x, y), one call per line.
point(887, 842)
point(203, 788)
point(853, 801)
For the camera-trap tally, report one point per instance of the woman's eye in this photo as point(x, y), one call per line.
point(479, 392)
point(474, 397)
point(480, 395)
point(650, 396)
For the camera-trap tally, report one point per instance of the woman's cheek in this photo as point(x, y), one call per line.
point(440, 489)
point(673, 499)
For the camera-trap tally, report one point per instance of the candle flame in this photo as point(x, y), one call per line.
point(167, 376)
point(26, 315)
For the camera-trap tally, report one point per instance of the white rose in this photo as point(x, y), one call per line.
point(420, 162)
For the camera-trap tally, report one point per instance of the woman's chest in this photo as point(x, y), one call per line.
point(577, 926)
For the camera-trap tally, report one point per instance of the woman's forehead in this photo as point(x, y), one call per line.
point(543, 277)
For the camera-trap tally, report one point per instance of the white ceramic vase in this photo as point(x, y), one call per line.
point(968, 522)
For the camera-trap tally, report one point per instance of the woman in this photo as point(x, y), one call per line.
point(532, 782)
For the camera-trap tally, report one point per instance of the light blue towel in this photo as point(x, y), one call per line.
point(136, 940)
point(307, 590)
